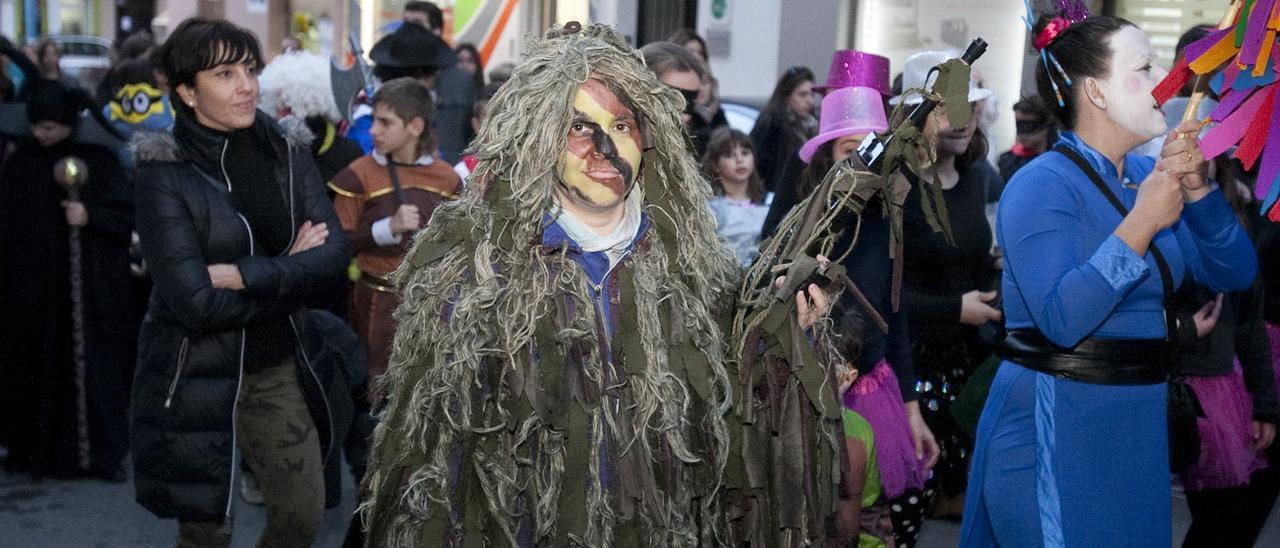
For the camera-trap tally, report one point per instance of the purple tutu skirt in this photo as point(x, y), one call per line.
point(1227, 457)
point(877, 398)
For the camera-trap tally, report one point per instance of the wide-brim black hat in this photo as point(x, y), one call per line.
point(413, 46)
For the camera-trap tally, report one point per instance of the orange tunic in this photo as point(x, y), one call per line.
point(365, 195)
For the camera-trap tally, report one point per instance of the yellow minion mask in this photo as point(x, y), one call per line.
point(137, 102)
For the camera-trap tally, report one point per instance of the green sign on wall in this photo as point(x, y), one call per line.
point(719, 8)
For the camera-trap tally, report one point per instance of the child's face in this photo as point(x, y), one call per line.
point(736, 166)
point(390, 133)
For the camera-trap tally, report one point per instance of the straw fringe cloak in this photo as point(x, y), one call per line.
point(508, 423)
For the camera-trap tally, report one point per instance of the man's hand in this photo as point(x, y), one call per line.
point(225, 276)
point(808, 314)
point(407, 219)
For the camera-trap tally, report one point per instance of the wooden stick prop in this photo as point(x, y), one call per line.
point(71, 174)
point(817, 223)
point(1193, 104)
point(1237, 58)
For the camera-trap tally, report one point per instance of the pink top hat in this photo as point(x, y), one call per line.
point(847, 111)
point(850, 67)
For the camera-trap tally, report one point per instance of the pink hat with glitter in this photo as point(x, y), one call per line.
point(847, 111)
point(850, 68)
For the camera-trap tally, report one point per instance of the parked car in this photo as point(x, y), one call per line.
point(742, 117)
point(85, 58)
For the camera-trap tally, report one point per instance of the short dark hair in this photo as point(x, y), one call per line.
point(409, 99)
point(136, 45)
point(848, 331)
point(664, 57)
point(133, 71)
point(723, 141)
point(1193, 34)
point(435, 17)
point(1083, 52)
point(199, 44)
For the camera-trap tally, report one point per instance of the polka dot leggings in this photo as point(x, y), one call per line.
point(907, 513)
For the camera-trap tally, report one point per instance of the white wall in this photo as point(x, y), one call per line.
point(809, 34)
point(8, 19)
point(898, 28)
point(623, 15)
point(749, 69)
point(169, 13)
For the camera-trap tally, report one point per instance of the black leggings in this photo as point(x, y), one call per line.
point(1232, 517)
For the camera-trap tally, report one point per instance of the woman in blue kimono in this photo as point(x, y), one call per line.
point(1072, 446)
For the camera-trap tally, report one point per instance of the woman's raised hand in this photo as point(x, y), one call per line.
point(1159, 199)
point(1183, 159)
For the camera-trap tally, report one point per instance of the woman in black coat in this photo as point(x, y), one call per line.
point(238, 237)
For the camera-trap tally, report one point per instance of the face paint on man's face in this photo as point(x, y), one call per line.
point(602, 157)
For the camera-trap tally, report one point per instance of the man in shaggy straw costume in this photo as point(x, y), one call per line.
point(564, 371)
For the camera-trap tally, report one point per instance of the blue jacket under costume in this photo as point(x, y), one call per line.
point(1065, 463)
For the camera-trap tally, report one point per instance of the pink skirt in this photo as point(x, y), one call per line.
point(1227, 457)
point(877, 398)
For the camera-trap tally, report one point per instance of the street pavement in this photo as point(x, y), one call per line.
point(92, 513)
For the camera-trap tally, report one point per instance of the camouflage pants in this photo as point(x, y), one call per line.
point(275, 434)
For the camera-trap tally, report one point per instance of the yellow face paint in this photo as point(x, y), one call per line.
point(602, 156)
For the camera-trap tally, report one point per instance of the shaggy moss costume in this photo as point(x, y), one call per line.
point(520, 412)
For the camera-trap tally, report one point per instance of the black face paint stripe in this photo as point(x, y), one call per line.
point(605, 147)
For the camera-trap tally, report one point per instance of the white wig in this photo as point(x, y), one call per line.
point(298, 81)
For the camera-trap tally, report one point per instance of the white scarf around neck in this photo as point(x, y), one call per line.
point(615, 243)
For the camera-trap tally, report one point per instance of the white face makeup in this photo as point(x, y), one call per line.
point(1127, 91)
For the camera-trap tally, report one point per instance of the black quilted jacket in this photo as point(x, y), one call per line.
point(191, 349)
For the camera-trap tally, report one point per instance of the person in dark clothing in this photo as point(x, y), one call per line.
point(454, 88)
point(884, 392)
point(1264, 485)
point(785, 123)
point(137, 47)
point(416, 51)
point(949, 281)
point(1036, 132)
point(1227, 360)
point(709, 116)
point(63, 412)
point(682, 70)
point(1229, 369)
point(239, 238)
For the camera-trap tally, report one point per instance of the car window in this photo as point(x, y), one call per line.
point(84, 48)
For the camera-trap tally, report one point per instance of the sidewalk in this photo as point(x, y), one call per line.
point(56, 513)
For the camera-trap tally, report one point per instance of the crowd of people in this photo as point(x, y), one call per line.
point(504, 299)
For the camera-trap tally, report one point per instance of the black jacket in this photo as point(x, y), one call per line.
point(191, 356)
